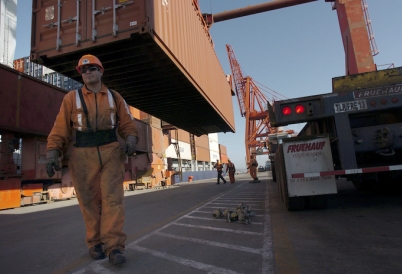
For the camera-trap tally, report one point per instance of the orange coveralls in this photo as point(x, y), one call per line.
point(97, 172)
point(253, 168)
point(230, 168)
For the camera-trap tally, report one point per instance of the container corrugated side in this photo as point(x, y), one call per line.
point(175, 23)
point(184, 136)
point(157, 54)
point(202, 154)
point(224, 158)
point(222, 149)
point(19, 64)
point(202, 141)
point(27, 105)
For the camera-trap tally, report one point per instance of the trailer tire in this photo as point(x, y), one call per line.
point(317, 201)
point(360, 184)
point(273, 171)
point(295, 203)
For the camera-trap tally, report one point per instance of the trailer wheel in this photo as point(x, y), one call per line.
point(295, 203)
point(360, 184)
point(317, 201)
point(273, 171)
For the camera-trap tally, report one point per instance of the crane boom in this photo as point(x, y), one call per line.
point(238, 79)
point(252, 106)
point(249, 10)
point(358, 40)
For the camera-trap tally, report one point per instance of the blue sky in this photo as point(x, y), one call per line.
point(295, 51)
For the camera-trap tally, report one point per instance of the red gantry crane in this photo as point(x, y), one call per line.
point(359, 51)
point(252, 104)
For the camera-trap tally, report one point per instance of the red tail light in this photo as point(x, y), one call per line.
point(286, 111)
point(299, 109)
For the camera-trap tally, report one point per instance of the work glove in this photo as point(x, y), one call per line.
point(130, 148)
point(52, 162)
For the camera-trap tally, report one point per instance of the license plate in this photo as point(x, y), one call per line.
point(350, 106)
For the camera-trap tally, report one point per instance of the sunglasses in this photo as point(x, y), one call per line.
point(90, 69)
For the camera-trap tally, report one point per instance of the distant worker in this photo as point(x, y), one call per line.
point(231, 170)
point(96, 114)
point(219, 169)
point(252, 166)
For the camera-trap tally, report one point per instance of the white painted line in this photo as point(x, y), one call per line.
point(202, 218)
point(210, 212)
point(94, 267)
point(229, 203)
point(245, 196)
point(255, 193)
point(205, 267)
point(201, 211)
point(220, 229)
point(205, 242)
point(214, 207)
point(243, 201)
point(267, 251)
point(217, 219)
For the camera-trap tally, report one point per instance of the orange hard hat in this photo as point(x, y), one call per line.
point(88, 59)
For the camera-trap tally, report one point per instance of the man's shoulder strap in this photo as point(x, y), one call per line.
point(84, 107)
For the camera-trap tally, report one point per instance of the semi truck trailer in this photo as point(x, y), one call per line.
point(355, 132)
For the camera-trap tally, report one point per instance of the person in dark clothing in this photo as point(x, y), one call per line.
point(219, 168)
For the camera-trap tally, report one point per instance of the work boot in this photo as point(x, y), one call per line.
point(116, 257)
point(96, 252)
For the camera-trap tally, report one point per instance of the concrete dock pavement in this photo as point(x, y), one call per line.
point(173, 231)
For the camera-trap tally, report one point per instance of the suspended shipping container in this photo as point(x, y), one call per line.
point(158, 54)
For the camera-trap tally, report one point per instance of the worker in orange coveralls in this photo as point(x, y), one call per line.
point(231, 169)
point(252, 165)
point(96, 114)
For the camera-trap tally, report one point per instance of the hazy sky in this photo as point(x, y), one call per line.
point(295, 51)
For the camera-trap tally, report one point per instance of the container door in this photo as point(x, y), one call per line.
point(57, 24)
point(111, 19)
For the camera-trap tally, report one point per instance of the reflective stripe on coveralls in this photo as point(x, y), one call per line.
point(111, 99)
point(92, 138)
